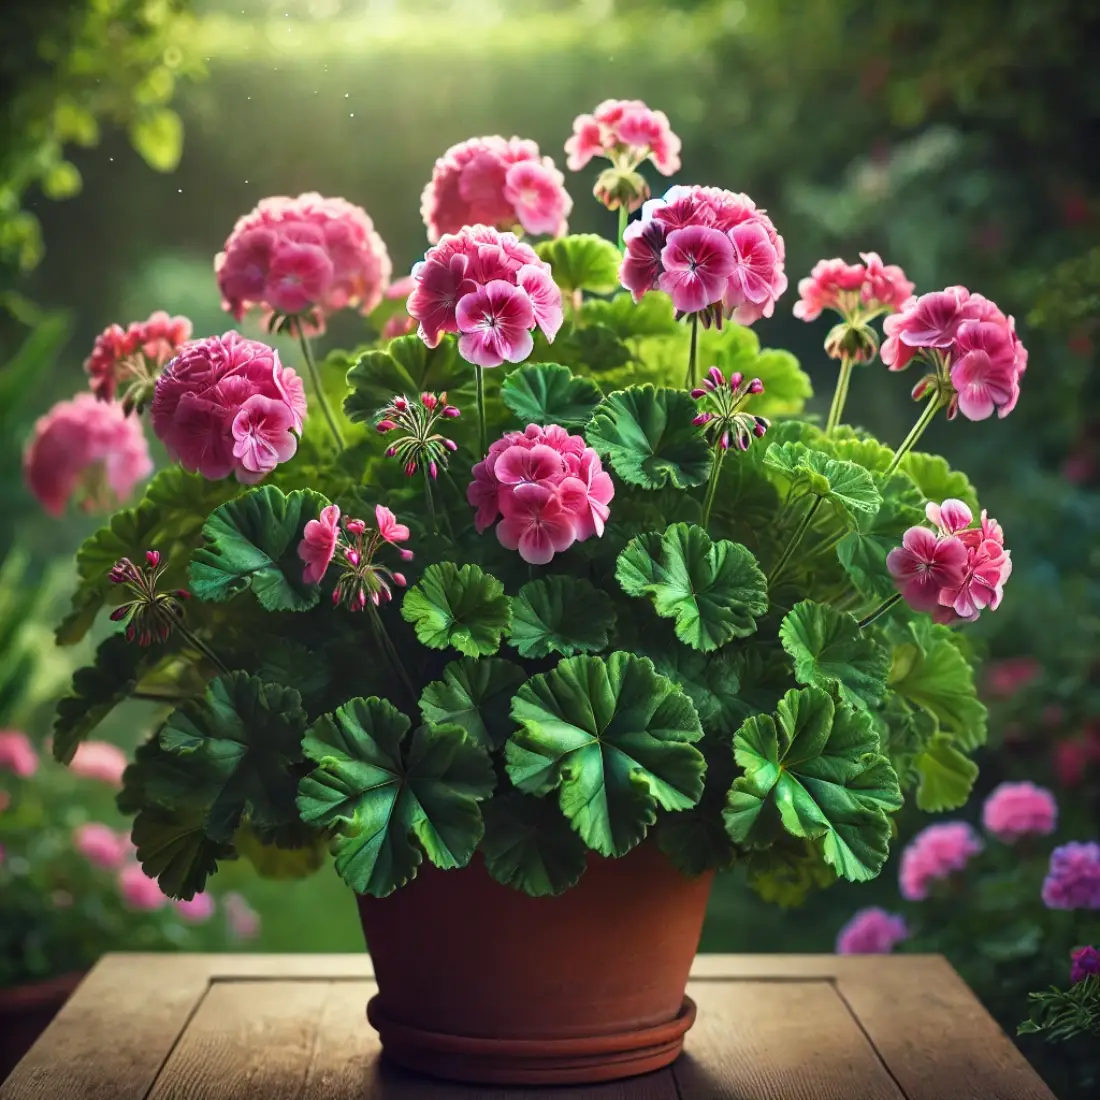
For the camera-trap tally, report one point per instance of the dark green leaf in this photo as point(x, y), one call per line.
point(295, 666)
point(652, 316)
point(845, 485)
point(548, 393)
point(407, 366)
point(937, 481)
point(476, 694)
point(283, 863)
point(566, 615)
point(461, 607)
point(582, 261)
point(172, 847)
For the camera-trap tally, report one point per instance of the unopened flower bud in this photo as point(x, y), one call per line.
point(451, 411)
point(724, 442)
point(760, 426)
point(401, 404)
point(391, 451)
point(429, 400)
point(450, 444)
point(355, 526)
point(617, 187)
point(153, 557)
point(928, 382)
point(410, 469)
point(699, 393)
point(399, 579)
point(736, 379)
point(716, 376)
point(406, 555)
point(433, 469)
point(120, 613)
point(386, 425)
point(756, 386)
point(702, 418)
point(352, 557)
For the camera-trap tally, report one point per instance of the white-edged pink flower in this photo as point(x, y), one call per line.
point(924, 565)
point(495, 323)
point(627, 133)
point(696, 265)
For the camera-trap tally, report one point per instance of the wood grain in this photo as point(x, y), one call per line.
point(785, 1040)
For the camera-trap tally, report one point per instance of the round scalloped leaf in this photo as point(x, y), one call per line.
point(844, 484)
point(548, 393)
point(461, 607)
point(528, 845)
point(566, 615)
point(816, 767)
point(476, 694)
point(652, 316)
point(582, 261)
point(937, 481)
point(945, 777)
point(615, 739)
point(172, 847)
point(252, 542)
point(650, 439)
point(713, 590)
point(829, 650)
point(391, 796)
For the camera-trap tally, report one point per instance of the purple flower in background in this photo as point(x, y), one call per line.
point(871, 932)
point(1073, 881)
point(1086, 964)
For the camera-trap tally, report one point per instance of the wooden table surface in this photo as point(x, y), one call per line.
point(293, 1027)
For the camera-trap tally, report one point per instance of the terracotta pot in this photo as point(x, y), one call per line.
point(478, 982)
point(25, 1012)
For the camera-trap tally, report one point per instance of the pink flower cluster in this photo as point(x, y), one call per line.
point(711, 251)
point(549, 487)
point(99, 760)
point(101, 846)
point(226, 405)
point(1004, 678)
point(491, 289)
point(936, 853)
point(143, 894)
point(625, 132)
point(116, 349)
point(306, 257)
point(1015, 810)
point(852, 289)
point(17, 754)
point(89, 448)
point(971, 339)
point(955, 571)
point(1084, 963)
point(495, 181)
point(871, 931)
point(1073, 878)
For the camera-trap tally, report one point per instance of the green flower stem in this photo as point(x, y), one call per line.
point(712, 485)
point(483, 428)
point(840, 394)
point(934, 405)
point(693, 352)
point(318, 389)
point(880, 610)
point(203, 648)
point(624, 217)
point(796, 538)
point(430, 503)
point(159, 697)
point(387, 647)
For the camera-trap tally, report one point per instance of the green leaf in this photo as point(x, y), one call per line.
point(788, 872)
point(930, 672)
point(816, 764)
point(946, 777)
point(566, 615)
point(594, 349)
point(548, 393)
point(713, 590)
point(528, 845)
point(276, 862)
point(236, 750)
point(393, 796)
point(937, 481)
point(61, 181)
point(157, 136)
point(461, 607)
point(853, 446)
point(845, 485)
point(96, 691)
point(252, 542)
point(172, 847)
point(787, 386)
point(407, 366)
point(650, 439)
point(476, 694)
point(294, 665)
point(830, 650)
point(652, 316)
point(582, 261)
point(615, 739)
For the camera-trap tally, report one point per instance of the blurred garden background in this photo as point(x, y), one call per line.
point(960, 141)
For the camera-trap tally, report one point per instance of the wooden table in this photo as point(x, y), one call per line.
point(292, 1027)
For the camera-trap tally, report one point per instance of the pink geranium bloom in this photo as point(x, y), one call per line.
point(495, 323)
point(934, 854)
point(143, 347)
point(752, 288)
point(641, 267)
point(1015, 810)
point(983, 370)
point(586, 493)
point(885, 285)
point(196, 911)
point(987, 568)
point(318, 544)
point(101, 846)
point(538, 197)
point(440, 284)
point(85, 448)
point(950, 517)
point(397, 326)
point(697, 263)
point(139, 892)
point(626, 132)
point(535, 523)
point(388, 527)
point(828, 284)
point(17, 754)
point(263, 436)
point(243, 920)
point(545, 298)
point(586, 142)
point(934, 319)
point(871, 932)
point(99, 760)
point(298, 276)
point(538, 465)
point(1003, 679)
point(924, 565)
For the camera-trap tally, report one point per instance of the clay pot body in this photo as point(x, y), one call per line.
point(26, 1011)
point(479, 982)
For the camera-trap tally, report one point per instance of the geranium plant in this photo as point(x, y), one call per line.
point(565, 571)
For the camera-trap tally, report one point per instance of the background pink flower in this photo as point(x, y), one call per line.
point(1003, 679)
point(101, 846)
point(139, 892)
point(196, 911)
point(481, 182)
point(871, 931)
point(154, 340)
point(17, 754)
point(308, 256)
point(200, 394)
point(625, 132)
point(243, 920)
point(1015, 810)
point(89, 448)
point(99, 760)
point(933, 854)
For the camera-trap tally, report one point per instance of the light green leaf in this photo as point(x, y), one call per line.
point(392, 796)
point(855, 446)
point(816, 765)
point(713, 590)
point(650, 439)
point(252, 542)
point(787, 386)
point(61, 181)
point(283, 863)
point(845, 485)
point(946, 777)
point(787, 872)
point(157, 136)
point(937, 481)
point(582, 261)
point(566, 615)
point(615, 739)
point(407, 366)
point(476, 694)
point(461, 607)
point(528, 845)
point(652, 316)
point(548, 393)
point(830, 650)
point(172, 847)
